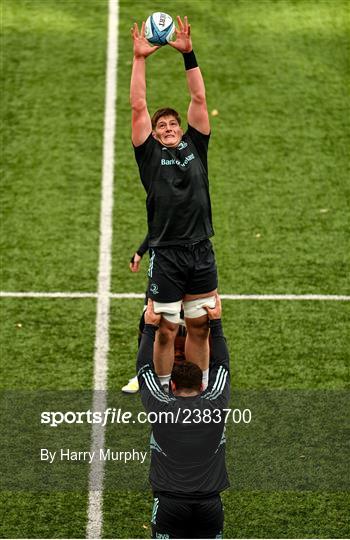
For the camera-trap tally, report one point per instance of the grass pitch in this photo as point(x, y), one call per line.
point(277, 72)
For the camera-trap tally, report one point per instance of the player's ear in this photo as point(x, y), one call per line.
point(154, 135)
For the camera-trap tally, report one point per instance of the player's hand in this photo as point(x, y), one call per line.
point(135, 262)
point(142, 48)
point(150, 316)
point(215, 312)
point(183, 42)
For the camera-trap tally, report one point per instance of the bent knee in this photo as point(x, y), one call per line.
point(198, 328)
point(167, 332)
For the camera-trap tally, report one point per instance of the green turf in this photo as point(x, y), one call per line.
point(47, 344)
point(278, 73)
point(44, 515)
point(53, 105)
point(288, 515)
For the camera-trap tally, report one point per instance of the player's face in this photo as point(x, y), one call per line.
point(168, 131)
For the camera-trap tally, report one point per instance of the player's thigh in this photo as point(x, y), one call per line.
point(166, 275)
point(209, 518)
point(170, 312)
point(203, 278)
point(171, 518)
point(194, 309)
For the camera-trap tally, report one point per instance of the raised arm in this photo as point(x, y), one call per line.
point(152, 393)
point(197, 114)
point(141, 121)
point(218, 390)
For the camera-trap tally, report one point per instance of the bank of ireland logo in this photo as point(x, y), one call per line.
point(154, 288)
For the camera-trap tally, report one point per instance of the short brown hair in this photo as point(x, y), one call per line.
point(187, 376)
point(165, 112)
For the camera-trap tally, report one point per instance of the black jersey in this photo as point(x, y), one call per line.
point(188, 450)
point(143, 246)
point(177, 186)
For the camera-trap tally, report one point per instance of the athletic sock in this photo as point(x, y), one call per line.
point(205, 378)
point(164, 381)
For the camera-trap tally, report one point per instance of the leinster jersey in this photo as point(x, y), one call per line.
point(188, 434)
point(177, 187)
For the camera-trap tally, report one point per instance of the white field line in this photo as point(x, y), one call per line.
point(34, 294)
point(96, 477)
point(121, 296)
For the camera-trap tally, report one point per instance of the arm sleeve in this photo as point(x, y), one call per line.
point(201, 142)
point(144, 150)
point(145, 155)
point(143, 247)
point(218, 391)
point(152, 394)
point(145, 352)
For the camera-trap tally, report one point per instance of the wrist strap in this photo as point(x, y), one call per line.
point(190, 60)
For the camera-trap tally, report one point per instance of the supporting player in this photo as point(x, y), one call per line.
point(132, 387)
point(188, 470)
point(173, 170)
point(135, 260)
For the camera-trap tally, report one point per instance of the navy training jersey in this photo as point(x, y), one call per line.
point(177, 187)
point(187, 455)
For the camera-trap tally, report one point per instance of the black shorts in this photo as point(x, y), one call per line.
point(187, 518)
point(175, 271)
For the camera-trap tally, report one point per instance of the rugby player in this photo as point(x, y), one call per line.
point(187, 471)
point(132, 386)
point(174, 172)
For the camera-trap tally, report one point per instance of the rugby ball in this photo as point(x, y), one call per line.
point(159, 28)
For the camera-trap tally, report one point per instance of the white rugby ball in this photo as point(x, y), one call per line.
point(159, 28)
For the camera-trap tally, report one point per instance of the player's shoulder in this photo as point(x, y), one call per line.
point(148, 141)
point(146, 149)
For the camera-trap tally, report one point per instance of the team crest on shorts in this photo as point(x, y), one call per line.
point(154, 288)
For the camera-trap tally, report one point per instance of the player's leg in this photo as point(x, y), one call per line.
point(171, 517)
point(180, 341)
point(208, 518)
point(197, 343)
point(163, 355)
point(197, 340)
point(200, 291)
point(166, 289)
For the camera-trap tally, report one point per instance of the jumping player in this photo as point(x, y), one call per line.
point(188, 470)
point(174, 172)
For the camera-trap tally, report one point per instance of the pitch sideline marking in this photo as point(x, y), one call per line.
point(96, 476)
point(121, 296)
